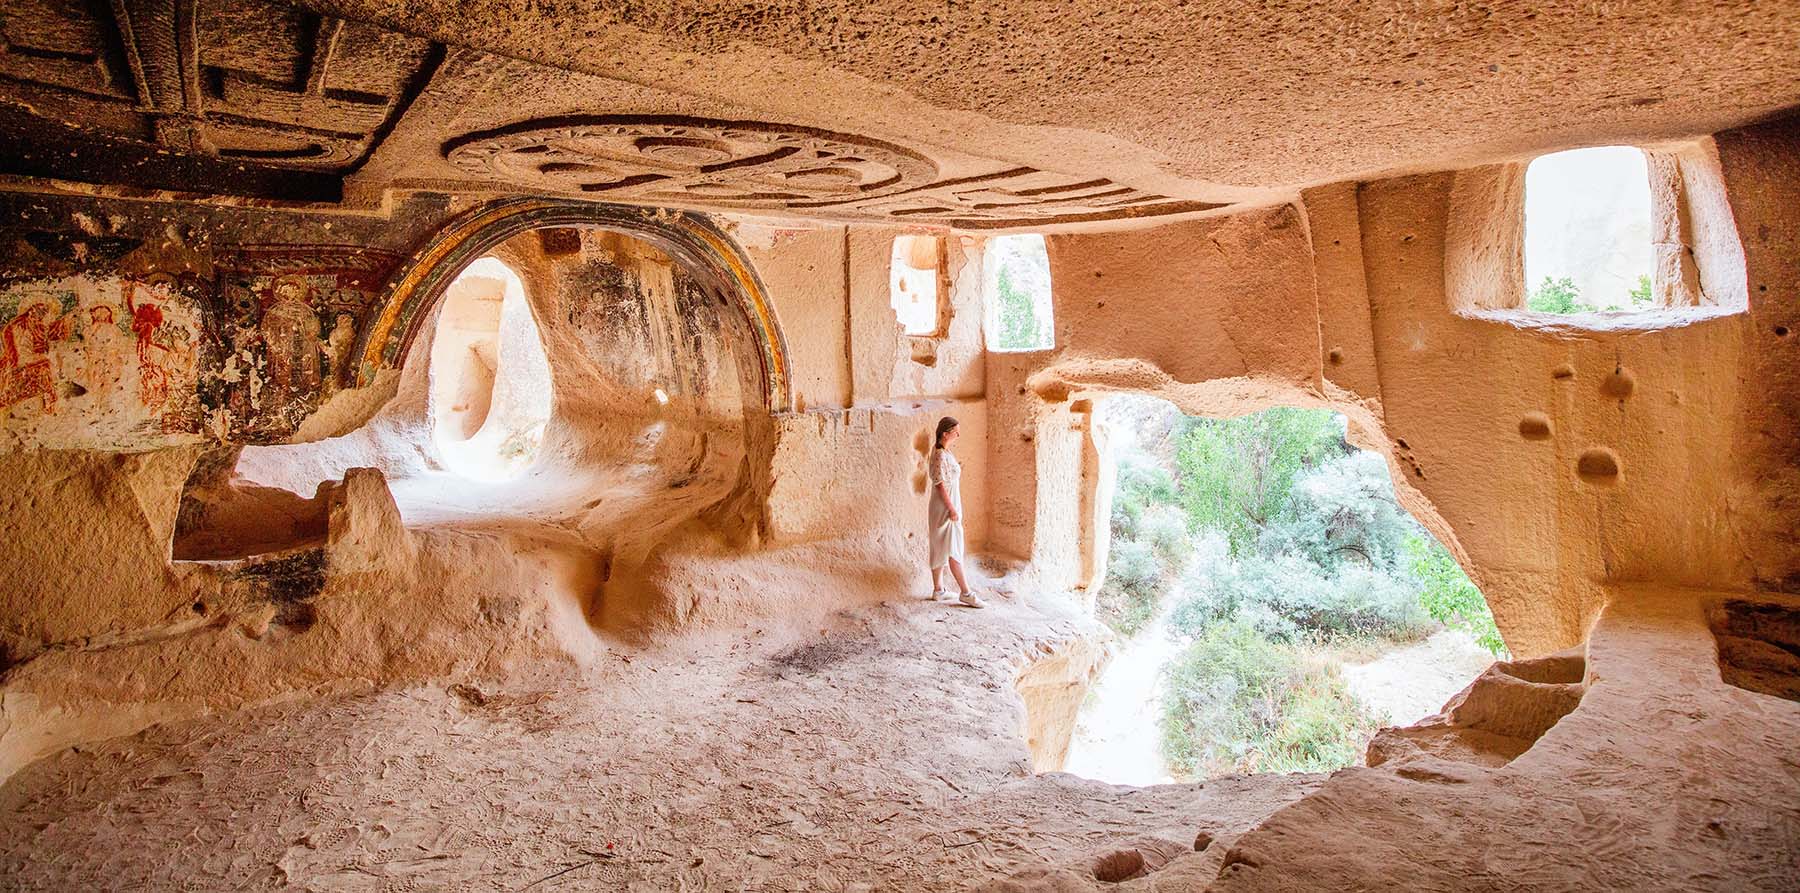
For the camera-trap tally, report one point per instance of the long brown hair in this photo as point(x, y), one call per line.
point(943, 427)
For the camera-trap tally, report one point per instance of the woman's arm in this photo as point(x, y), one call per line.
point(944, 494)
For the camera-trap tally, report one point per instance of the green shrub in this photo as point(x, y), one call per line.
point(1235, 701)
point(1287, 597)
point(1323, 727)
point(1221, 696)
point(1134, 587)
point(1342, 512)
point(1446, 593)
point(1140, 485)
point(1164, 527)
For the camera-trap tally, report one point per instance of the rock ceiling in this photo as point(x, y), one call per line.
point(1002, 114)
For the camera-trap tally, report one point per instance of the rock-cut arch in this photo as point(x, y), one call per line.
point(711, 256)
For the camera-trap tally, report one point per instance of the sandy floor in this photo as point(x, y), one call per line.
point(884, 755)
point(1411, 683)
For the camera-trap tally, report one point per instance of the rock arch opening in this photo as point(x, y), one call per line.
point(1274, 604)
point(572, 382)
point(490, 379)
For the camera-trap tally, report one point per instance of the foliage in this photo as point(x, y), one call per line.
point(1447, 595)
point(1235, 701)
point(1288, 598)
point(1164, 528)
point(1558, 296)
point(1020, 328)
point(1323, 727)
point(1342, 511)
point(1640, 294)
point(1236, 475)
point(1134, 587)
point(1282, 541)
point(1140, 484)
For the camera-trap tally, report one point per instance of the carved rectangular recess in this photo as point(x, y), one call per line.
point(1758, 646)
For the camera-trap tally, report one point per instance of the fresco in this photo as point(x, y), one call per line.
point(288, 331)
point(99, 360)
point(242, 351)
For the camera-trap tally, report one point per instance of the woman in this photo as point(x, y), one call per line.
point(946, 514)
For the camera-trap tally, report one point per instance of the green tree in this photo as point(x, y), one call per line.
point(1448, 596)
point(1640, 295)
point(1558, 296)
point(1237, 475)
point(1019, 326)
point(1342, 511)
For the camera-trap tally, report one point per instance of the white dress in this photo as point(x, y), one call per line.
point(946, 535)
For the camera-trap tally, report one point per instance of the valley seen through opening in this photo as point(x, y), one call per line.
point(1274, 604)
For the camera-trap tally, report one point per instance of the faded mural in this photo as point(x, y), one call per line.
point(291, 319)
point(117, 361)
point(87, 358)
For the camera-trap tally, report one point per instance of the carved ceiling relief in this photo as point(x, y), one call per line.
point(268, 100)
point(759, 166)
point(732, 164)
point(251, 82)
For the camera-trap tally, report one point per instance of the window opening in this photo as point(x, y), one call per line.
point(1274, 602)
point(1588, 231)
point(1018, 293)
point(490, 378)
point(914, 277)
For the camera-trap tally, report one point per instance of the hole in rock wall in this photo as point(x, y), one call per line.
point(1759, 645)
point(1588, 232)
point(1016, 279)
point(1274, 604)
point(590, 384)
point(915, 284)
point(490, 378)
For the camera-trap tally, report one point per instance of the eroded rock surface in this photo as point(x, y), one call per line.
point(744, 764)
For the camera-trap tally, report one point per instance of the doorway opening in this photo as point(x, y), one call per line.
point(490, 378)
point(575, 383)
point(1274, 604)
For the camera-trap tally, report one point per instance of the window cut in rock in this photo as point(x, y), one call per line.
point(913, 284)
point(1587, 231)
point(1018, 294)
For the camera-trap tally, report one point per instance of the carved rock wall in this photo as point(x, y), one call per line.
point(1551, 460)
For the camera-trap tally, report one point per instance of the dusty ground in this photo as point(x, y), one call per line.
point(1408, 684)
point(885, 754)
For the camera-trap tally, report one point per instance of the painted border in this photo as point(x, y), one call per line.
point(690, 238)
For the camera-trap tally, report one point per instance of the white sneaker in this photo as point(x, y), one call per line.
point(969, 599)
point(937, 595)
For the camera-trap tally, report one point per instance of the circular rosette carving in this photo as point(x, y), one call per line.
point(687, 161)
